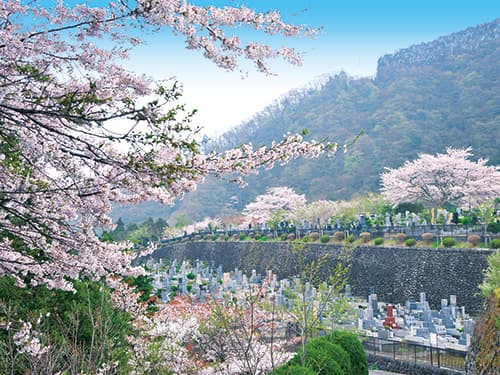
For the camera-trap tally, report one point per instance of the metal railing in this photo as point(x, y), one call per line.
point(445, 358)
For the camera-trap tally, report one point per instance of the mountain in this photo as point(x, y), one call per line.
point(423, 99)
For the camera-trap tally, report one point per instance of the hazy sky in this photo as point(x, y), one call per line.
point(354, 35)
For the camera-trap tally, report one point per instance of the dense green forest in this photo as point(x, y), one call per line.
point(423, 99)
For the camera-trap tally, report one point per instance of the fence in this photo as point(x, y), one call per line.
point(444, 358)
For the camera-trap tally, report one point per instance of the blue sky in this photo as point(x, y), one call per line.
point(354, 35)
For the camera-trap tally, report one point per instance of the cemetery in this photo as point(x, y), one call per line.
point(396, 272)
point(436, 338)
point(128, 247)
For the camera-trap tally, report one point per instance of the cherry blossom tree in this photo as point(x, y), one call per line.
point(443, 178)
point(277, 204)
point(318, 212)
point(78, 132)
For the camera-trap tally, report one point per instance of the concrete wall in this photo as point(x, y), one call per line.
point(396, 273)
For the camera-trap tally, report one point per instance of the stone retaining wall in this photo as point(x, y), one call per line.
point(409, 368)
point(396, 273)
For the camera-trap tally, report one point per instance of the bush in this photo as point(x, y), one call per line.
point(378, 241)
point(243, 237)
point(474, 239)
point(314, 236)
point(350, 343)
point(292, 370)
point(325, 238)
point(364, 237)
point(449, 242)
point(283, 236)
point(256, 236)
point(71, 322)
point(317, 359)
point(410, 242)
point(336, 352)
point(493, 227)
point(350, 238)
point(427, 238)
point(400, 237)
point(495, 244)
point(338, 236)
point(306, 238)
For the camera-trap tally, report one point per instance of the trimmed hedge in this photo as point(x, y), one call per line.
point(325, 238)
point(351, 344)
point(317, 359)
point(410, 242)
point(338, 236)
point(495, 244)
point(474, 239)
point(292, 370)
point(364, 237)
point(427, 237)
point(336, 352)
point(449, 242)
point(378, 241)
point(400, 237)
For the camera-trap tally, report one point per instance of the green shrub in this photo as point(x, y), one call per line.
point(364, 237)
point(400, 237)
point(350, 238)
point(493, 227)
point(378, 241)
point(317, 359)
point(495, 244)
point(474, 239)
point(338, 236)
point(335, 351)
point(283, 236)
point(214, 237)
point(263, 238)
point(243, 237)
point(70, 321)
point(306, 238)
point(190, 276)
point(427, 238)
point(350, 343)
point(325, 238)
point(449, 242)
point(410, 242)
point(292, 370)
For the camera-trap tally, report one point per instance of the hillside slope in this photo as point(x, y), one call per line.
point(423, 99)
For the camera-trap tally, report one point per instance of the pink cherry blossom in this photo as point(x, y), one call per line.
point(443, 178)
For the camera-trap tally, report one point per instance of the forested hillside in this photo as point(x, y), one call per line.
point(423, 99)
